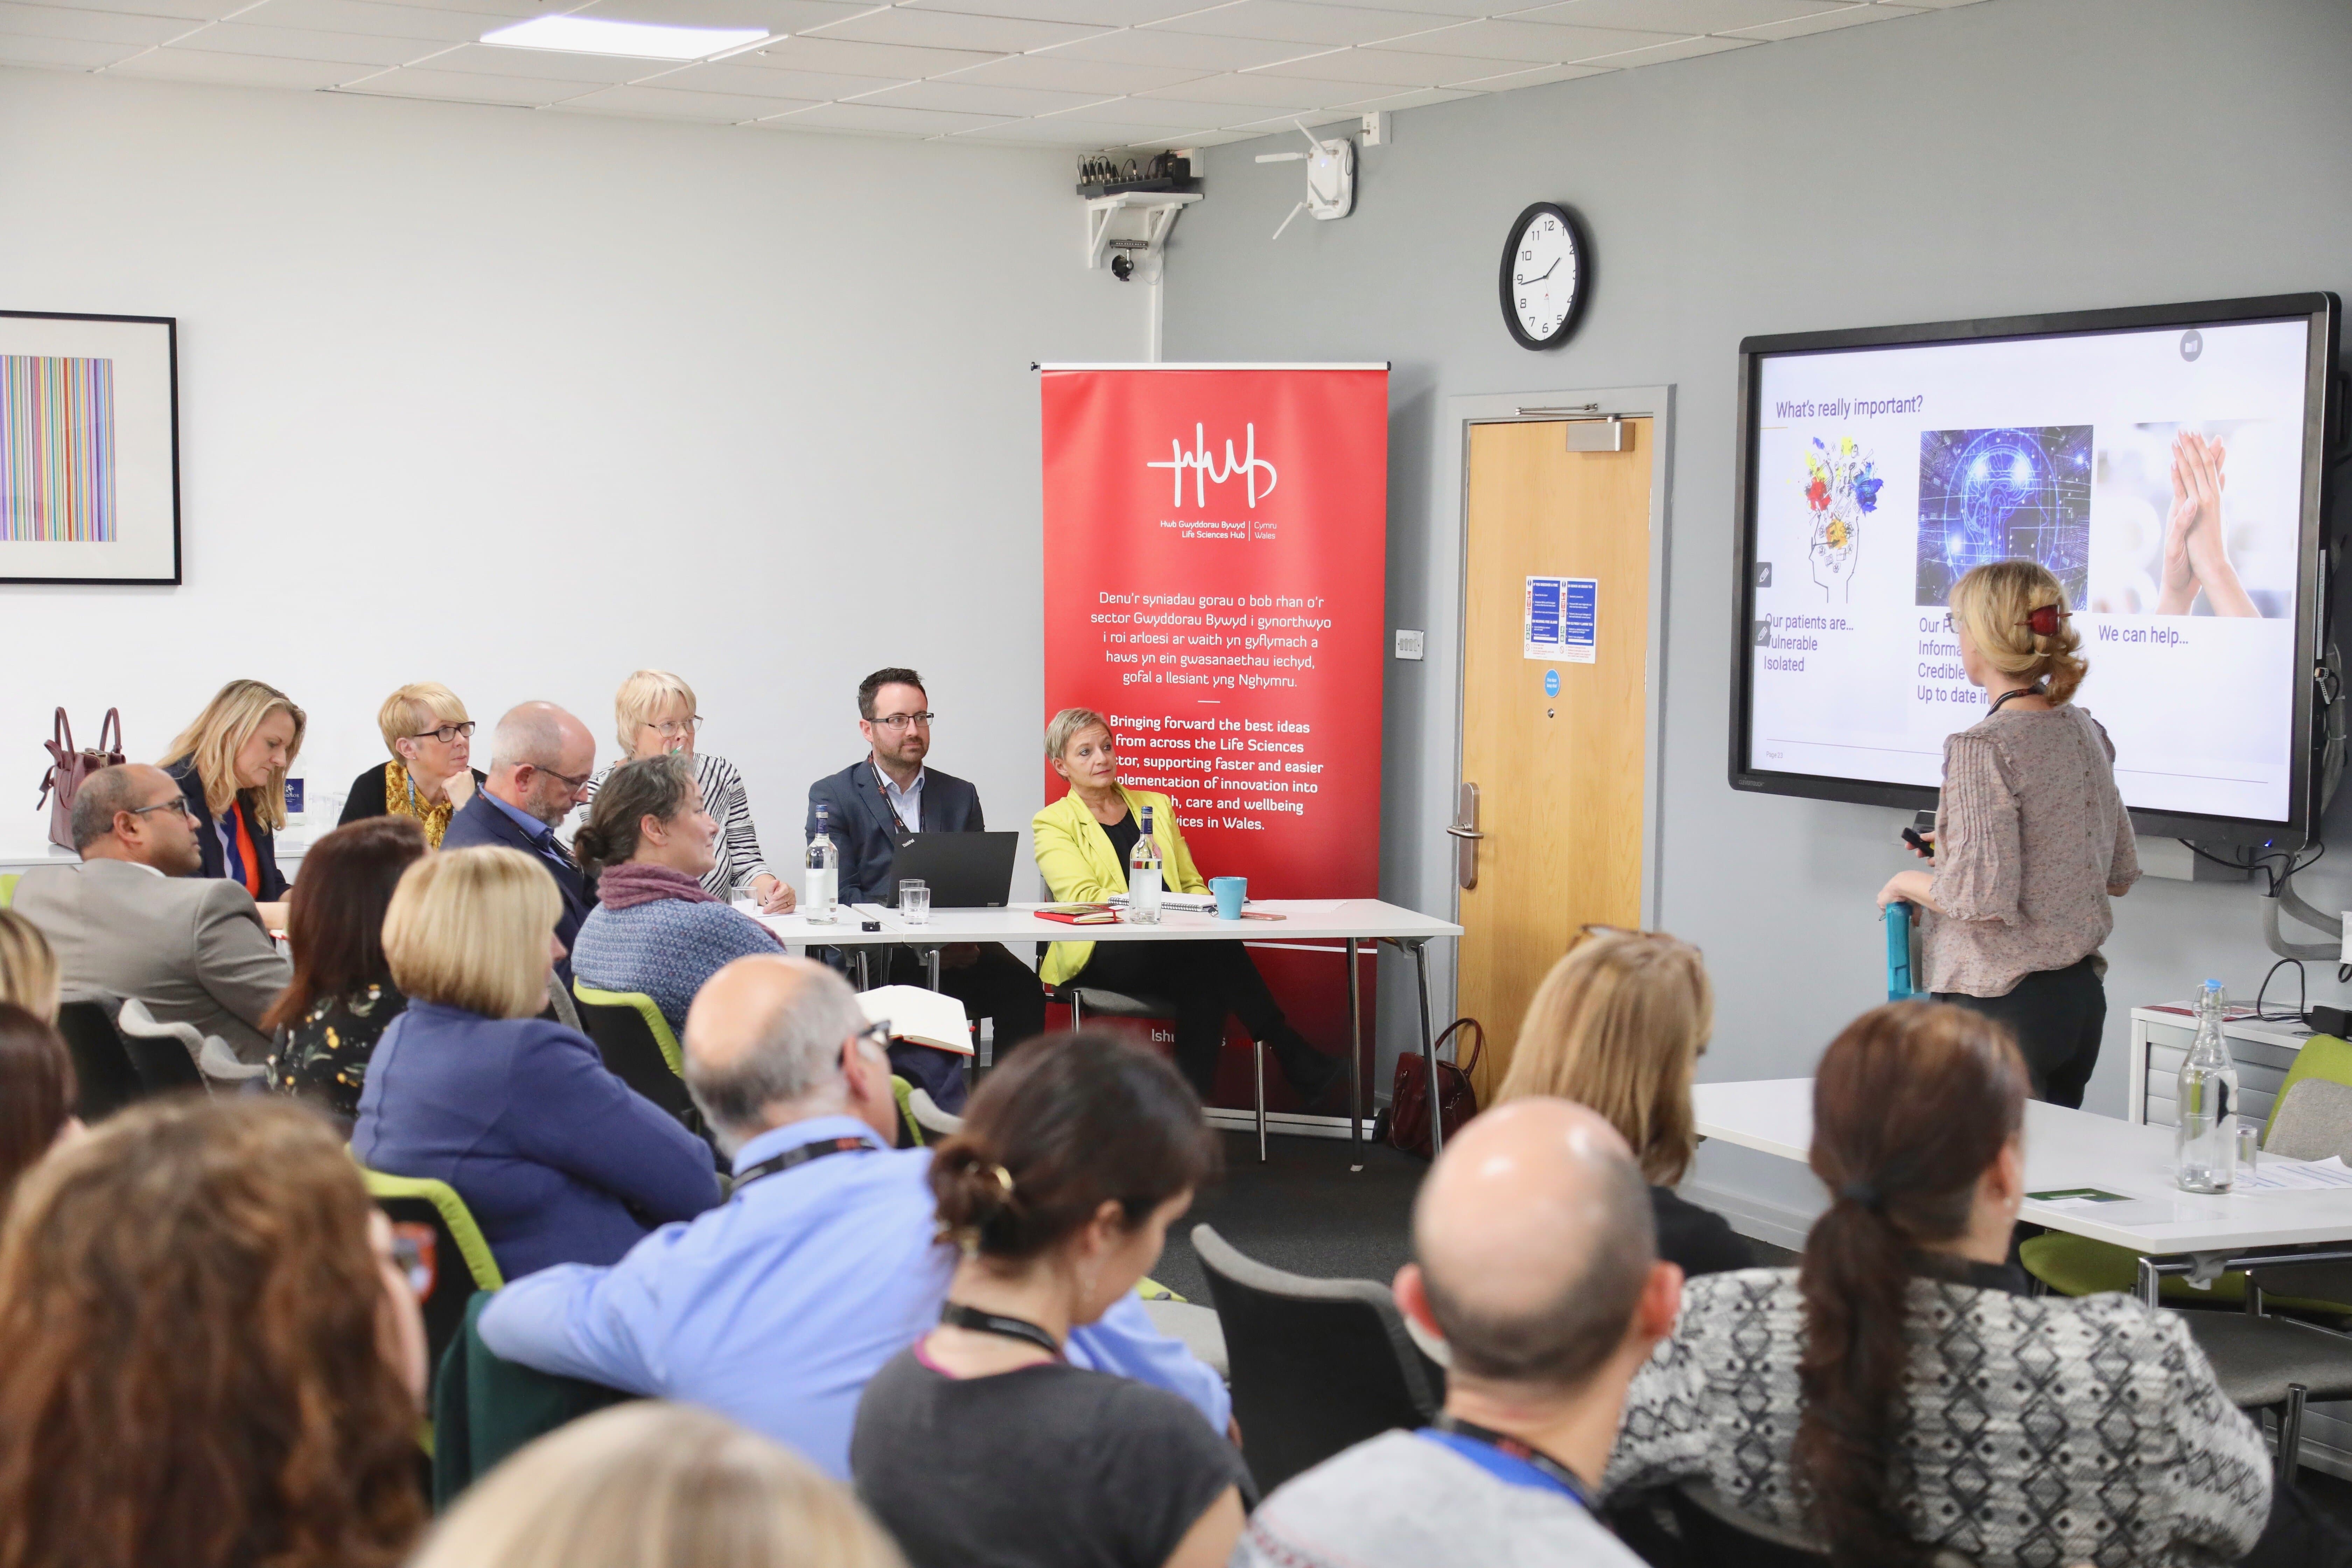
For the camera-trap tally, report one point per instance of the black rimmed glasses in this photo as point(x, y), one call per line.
point(577, 784)
point(671, 729)
point(900, 721)
point(177, 803)
point(448, 734)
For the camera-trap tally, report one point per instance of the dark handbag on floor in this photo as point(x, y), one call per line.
point(1408, 1111)
point(69, 768)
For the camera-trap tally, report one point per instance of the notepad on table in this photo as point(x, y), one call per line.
point(924, 1017)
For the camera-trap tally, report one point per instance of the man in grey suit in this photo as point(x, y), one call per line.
point(132, 920)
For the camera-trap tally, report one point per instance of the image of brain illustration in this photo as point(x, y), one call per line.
point(2005, 494)
point(1842, 490)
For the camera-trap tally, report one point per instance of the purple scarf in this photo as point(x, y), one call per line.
point(631, 883)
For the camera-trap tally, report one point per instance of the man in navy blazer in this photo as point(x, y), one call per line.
point(891, 791)
point(542, 760)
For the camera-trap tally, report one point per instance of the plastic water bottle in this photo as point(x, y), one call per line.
point(820, 900)
point(2206, 1143)
point(1143, 877)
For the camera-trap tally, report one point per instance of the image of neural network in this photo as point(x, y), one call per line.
point(2000, 495)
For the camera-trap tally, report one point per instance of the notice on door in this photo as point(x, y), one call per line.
point(1562, 617)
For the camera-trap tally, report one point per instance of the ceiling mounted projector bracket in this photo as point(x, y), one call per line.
point(1137, 223)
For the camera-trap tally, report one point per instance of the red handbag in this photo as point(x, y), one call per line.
point(69, 768)
point(1457, 1102)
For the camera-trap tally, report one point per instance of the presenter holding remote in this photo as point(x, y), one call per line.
point(1082, 842)
point(2031, 839)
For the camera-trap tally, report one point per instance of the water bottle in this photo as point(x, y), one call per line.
point(2206, 1143)
point(822, 866)
point(1143, 877)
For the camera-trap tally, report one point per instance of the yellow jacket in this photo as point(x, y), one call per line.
point(1074, 856)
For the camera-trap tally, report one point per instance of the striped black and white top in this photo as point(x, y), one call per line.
point(723, 796)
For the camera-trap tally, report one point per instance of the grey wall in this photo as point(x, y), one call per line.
point(2001, 157)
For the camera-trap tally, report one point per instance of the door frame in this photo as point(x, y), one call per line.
point(1449, 513)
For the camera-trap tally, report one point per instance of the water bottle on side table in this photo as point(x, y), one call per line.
point(2206, 1143)
point(1143, 877)
point(820, 901)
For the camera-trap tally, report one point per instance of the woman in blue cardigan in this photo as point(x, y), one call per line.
point(559, 1161)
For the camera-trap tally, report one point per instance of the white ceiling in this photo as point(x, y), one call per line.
point(1081, 74)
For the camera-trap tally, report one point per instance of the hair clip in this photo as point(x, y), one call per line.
point(2044, 621)
point(1861, 1193)
point(1004, 1178)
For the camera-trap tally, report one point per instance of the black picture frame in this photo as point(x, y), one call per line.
point(159, 446)
point(2322, 423)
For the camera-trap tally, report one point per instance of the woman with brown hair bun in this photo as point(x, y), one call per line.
point(212, 1360)
point(2031, 839)
point(982, 1447)
point(1899, 1391)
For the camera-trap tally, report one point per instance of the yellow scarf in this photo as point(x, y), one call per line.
point(401, 798)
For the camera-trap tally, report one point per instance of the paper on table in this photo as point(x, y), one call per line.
point(2109, 1208)
point(2272, 1173)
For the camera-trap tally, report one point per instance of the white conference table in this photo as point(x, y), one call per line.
point(1312, 925)
point(2174, 1231)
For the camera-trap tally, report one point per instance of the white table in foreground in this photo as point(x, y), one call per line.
point(2067, 1149)
point(1324, 925)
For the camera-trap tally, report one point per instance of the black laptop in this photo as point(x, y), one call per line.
point(965, 870)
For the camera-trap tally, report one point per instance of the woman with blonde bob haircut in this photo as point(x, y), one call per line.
point(28, 967)
point(556, 1157)
point(649, 1485)
point(1619, 1026)
point(430, 777)
point(2031, 839)
point(231, 768)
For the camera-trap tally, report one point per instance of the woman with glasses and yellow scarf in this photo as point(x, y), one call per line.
point(430, 777)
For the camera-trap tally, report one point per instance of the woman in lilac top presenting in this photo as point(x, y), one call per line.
point(2031, 839)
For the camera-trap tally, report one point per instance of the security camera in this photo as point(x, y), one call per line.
point(1122, 265)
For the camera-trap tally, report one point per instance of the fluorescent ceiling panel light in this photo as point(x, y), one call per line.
point(643, 40)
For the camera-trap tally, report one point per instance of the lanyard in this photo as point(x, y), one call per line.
point(1535, 1458)
point(957, 1315)
point(2020, 691)
point(790, 1158)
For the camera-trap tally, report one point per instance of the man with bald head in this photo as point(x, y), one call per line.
point(135, 920)
point(777, 1307)
point(1537, 1263)
point(541, 759)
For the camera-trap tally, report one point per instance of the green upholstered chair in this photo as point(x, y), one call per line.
point(484, 1408)
point(8, 887)
point(454, 1263)
point(638, 1044)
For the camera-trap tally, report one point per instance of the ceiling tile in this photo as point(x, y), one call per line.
point(240, 70)
point(1940, 5)
point(665, 103)
point(847, 57)
point(1160, 112)
point(954, 30)
point(1420, 98)
point(371, 18)
point(1677, 49)
point(1315, 119)
point(730, 76)
point(889, 121)
point(1394, 68)
point(1190, 139)
point(1823, 21)
point(494, 59)
point(504, 10)
point(70, 53)
point(305, 44)
point(190, 10)
point(972, 97)
point(1263, 91)
point(1141, 46)
point(470, 87)
point(1297, 22)
point(1672, 16)
point(1095, 13)
point(1056, 71)
point(775, 15)
point(1073, 133)
point(1537, 77)
point(89, 27)
point(1537, 43)
point(1452, 9)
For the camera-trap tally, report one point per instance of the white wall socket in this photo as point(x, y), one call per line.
point(1376, 130)
point(1409, 645)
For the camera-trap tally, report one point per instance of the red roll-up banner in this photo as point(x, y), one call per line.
point(1216, 541)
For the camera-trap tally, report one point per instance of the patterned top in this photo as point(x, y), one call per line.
point(724, 797)
point(2029, 836)
point(2042, 1430)
point(665, 949)
point(324, 1056)
point(403, 799)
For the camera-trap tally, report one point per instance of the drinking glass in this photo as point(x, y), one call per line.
point(915, 902)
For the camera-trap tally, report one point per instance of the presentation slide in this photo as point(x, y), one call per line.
point(2157, 474)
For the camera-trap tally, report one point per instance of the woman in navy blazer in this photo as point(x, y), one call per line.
point(558, 1160)
point(230, 765)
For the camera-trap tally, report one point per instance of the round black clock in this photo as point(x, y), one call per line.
point(1543, 276)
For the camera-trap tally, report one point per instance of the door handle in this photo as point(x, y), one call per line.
point(1464, 833)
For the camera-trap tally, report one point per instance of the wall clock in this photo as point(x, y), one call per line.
point(1543, 276)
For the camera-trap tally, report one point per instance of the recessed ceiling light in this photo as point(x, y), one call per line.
point(599, 36)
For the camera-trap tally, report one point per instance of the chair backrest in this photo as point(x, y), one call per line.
point(904, 1093)
point(166, 1055)
point(454, 1259)
point(2323, 1057)
point(103, 1064)
point(485, 1408)
point(2312, 1120)
point(8, 887)
point(1317, 1365)
point(636, 1044)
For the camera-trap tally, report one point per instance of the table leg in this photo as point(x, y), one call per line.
point(864, 973)
point(931, 963)
point(1355, 1064)
point(2149, 1282)
point(1428, 1045)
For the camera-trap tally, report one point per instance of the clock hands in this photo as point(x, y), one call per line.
point(1546, 273)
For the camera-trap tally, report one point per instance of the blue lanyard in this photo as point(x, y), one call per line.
point(1507, 1459)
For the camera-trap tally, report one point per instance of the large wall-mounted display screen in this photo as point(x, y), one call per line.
point(2165, 466)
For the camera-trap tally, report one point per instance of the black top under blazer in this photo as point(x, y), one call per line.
point(481, 822)
point(208, 844)
point(864, 826)
point(366, 798)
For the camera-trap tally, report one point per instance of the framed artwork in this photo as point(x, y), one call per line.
point(90, 448)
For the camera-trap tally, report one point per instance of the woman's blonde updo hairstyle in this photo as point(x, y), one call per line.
point(1994, 601)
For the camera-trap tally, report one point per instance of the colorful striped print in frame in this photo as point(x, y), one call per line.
point(56, 450)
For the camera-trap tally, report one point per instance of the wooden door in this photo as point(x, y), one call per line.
point(1559, 776)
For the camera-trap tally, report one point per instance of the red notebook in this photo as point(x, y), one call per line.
point(1079, 914)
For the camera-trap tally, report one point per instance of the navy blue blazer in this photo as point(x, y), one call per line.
point(549, 1151)
point(208, 844)
point(480, 822)
point(864, 826)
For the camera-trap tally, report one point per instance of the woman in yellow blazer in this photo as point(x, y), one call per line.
point(1083, 841)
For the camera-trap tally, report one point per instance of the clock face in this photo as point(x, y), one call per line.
point(1543, 275)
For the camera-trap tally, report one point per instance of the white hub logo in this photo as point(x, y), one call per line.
point(1207, 470)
